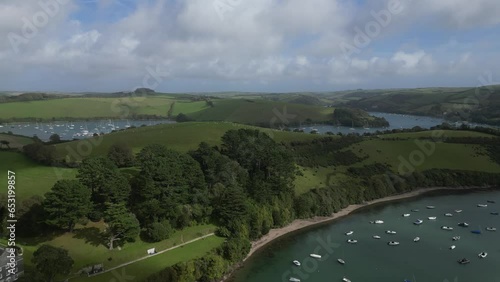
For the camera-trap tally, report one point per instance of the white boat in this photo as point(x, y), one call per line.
point(446, 228)
point(406, 215)
point(452, 247)
point(349, 233)
point(296, 262)
point(293, 279)
point(491, 229)
point(483, 255)
point(376, 237)
point(378, 221)
point(346, 280)
point(341, 261)
point(448, 214)
point(432, 218)
point(482, 205)
point(458, 211)
point(418, 222)
point(416, 239)
point(463, 224)
point(431, 207)
point(390, 232)
point(352, 241)
point(415, 210)
point(456, 238)
point(315, 256)
point(393, 243)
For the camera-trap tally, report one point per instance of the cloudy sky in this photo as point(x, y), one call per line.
point(247, 45)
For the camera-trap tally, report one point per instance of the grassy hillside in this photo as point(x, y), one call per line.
point(480, 105)
point(82, 108)
point(15, 141)
point(31, 178)
point(181, 136)
point(261, 112)
point(432, 133)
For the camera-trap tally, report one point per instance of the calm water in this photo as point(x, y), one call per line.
point(374, 260)
point(396, 121)
point(74, 129)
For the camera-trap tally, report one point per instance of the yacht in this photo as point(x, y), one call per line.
point(463, 224)
point(452, 247)
point(446, 228)
point(491, 201)
point(416, 239)
point(463, 261)
point(491, 229)
point(415, 210)
point(378, 221)
point(458, 211)
point(482, 205)
point(494, 213)
point(293, 279)
point(393, 243)
point(349, 233)
point(476, 231)
point(296, 262)
point(483, 255)
point(346, 280)
point(390, 232)
point(448, 214)
point(431, 207)
point(341, 261)
point(352, 241)
point(456, 238)
point(432, 218)
point(315, 256)
point(406, 215)
point(418, 222)
point(376, 237)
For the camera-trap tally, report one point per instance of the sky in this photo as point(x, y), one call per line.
point(247, 45)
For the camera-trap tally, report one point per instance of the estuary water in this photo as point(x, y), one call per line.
point(429, 260)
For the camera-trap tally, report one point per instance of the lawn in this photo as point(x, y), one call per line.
point(181, 137)
point(86, 248)
point(142, 269)
point(188, 107)
point(31, 178)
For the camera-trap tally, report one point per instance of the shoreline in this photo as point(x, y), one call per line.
point(299, 224)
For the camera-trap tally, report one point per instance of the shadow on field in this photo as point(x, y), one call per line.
point(91, 235)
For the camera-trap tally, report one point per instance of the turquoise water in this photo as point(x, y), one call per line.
point(374, 260)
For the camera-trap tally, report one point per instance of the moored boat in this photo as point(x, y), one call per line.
point(432, 218)
point(341, 261)
point(416, 239)
point(482, 205)
point(352, 241)
point(406, 215)
point(446, 228)
point(296, 262)
point(390, 232)
point(458, 211)
point(315, 256)
point(393, 243)
point(418, 222)
point(476, 231)
point(376, 237)
point(415, 210)
point(293, 279)
point(378, 221)
point(452, 247)
point(463, 261)
point(456, 238)
point(491, 229)
point(448, 214)
point(463, 224)
point(349, 233)
point(483, 254)
point(494, 213)
point(346, 280)
point(431, 207)
point(491, 201)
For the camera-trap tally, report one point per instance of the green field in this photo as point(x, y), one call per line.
point(16, 142)
point(82, 108)
point(263, 112)
point(31, 178)
point(181, 136)
point(141, 270)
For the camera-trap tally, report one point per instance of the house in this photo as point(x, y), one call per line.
point(5, 275)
